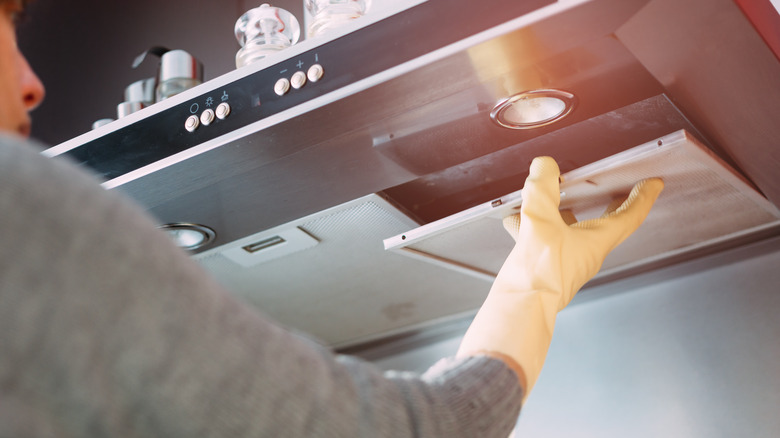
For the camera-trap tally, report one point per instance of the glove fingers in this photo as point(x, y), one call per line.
point(618, 225)
point(614, 205)
point(542, 193)
point(512, 225)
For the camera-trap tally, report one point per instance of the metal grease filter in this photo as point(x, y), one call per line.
point(703, 201)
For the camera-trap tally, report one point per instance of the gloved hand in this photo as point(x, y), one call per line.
point(550, 261)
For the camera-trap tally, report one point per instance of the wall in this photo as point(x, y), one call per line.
point(83, 51)
point(688, 351)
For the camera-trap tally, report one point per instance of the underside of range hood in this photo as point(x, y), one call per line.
point(345, 268)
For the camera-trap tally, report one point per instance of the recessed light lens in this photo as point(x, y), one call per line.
point(189, 236)
point(532, 109)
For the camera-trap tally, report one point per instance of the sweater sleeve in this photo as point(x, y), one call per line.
point(108, 329)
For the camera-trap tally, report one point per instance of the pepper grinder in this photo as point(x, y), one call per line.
point(264, 30)
point(332, 14)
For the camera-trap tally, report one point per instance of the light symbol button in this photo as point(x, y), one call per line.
point(207, 117)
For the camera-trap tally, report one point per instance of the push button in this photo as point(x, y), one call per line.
point(298, 79)
point(223, 110)
point(282, 86)
point(207, 117)
point(192, 123)
point(315, 72)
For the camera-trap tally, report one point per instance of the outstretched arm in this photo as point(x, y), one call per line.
point(550, 262)
point(107, 329)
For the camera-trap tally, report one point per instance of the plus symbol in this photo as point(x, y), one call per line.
point(299, 64)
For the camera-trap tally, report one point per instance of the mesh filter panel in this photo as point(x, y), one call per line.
point(703, 201)
point(347, 288)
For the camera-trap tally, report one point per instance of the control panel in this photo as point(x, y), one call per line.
point(208, 116)
point(300, 78)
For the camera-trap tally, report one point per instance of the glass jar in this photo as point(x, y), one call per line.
point(332, 14)
point(264, 30)
point(179, 71)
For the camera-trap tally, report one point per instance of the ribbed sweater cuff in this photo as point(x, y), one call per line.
point(483, 391)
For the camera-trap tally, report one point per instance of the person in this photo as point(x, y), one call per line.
point(108, 329)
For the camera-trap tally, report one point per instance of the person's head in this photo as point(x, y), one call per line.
point(20, 88)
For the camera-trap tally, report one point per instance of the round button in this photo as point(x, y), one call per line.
point(207, 117)
point(298, 79)
point(315, 72)
point(192, 123)
point(223, 110)
point(282, 86)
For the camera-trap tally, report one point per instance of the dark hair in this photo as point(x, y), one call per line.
point(22, 5)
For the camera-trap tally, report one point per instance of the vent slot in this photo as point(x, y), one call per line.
point(263, 244)
point(268, 245)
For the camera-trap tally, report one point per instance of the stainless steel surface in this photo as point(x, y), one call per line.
point(141, 91)
point(124, 109)
point(177, 64)
point(419, 134)
point(102, 122)
point(720, 73)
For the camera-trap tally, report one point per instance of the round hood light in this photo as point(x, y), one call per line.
point(189, 236)
point(532, 109)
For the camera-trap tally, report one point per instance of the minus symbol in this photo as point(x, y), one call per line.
point(316, 57)
point(283, 71)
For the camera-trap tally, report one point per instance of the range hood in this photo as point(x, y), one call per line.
point(301, 190)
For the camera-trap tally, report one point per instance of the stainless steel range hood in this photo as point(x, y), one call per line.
point(398, 134)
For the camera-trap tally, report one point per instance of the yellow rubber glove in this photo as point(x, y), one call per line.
point(550, 261)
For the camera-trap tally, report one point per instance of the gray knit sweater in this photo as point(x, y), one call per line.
point(107, 329)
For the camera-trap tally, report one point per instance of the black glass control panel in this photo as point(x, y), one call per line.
point(348, 59)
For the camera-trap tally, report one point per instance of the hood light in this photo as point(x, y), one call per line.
point(189, 236)
point(532, 109)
